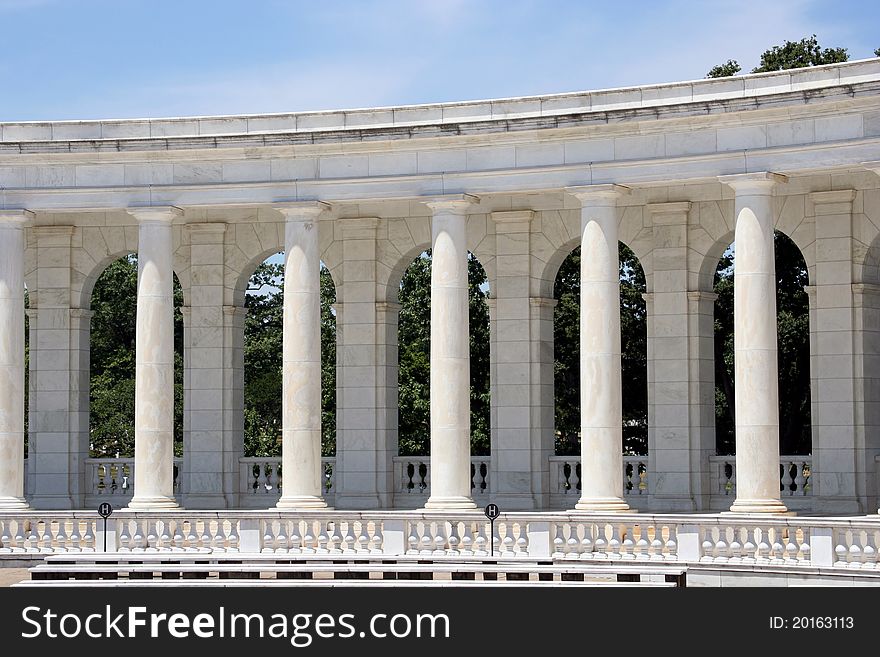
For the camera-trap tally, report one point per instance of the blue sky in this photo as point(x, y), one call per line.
point(70, 59)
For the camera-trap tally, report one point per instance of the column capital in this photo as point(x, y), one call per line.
point(15, 217)
point(597, 194)
point(512, 216)
point(753, 183)
point(81, 313)
point(669, 213)
point(388, 306)
point(235, 311)
point(701, 295)
point(301, 210)
point(155, 214)
point(451, 203)
point(811, 292)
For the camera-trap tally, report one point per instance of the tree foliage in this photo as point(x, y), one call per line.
point(414, 357)
point(791, 54)
point(112, 381)
point(566, 342)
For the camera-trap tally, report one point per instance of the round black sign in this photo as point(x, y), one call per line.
point(492, 511)
point(105, 509)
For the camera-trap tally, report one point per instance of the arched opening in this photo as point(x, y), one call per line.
point(793, 344)
point(414, 357)
point(634, 361)
point(113, 303)
point(263, 351)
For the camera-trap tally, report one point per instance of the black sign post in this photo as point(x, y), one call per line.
point(104, 510)
point(492, 512)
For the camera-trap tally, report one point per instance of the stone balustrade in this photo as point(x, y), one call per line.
point(260, 480)
point(112, 480)
point(565, 479)
point(714, 539)
point(794, 481)
point(412, 480)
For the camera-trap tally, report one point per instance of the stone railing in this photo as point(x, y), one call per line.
point(260, 480)
point(794, 481)
point(112, 480)
point(839, 543)
point(565, 479)
point(412, 480)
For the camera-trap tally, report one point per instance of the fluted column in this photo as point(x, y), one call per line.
point(301, 360)
point(450, 356)
point(756, 373)
point(154, 362)
point(601, 394)
point(12, 224)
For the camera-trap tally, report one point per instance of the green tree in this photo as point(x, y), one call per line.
point(799, 54)
point(877, 52)
point(112, 380)
point(730, 67)
point(414, 357)
point(791, 54)
point(566, 343)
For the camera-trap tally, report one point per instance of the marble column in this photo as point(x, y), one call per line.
point(601, 393)
point(301, 361)
point(12, 243)
point(450, 356)
point(754, 320)
point(154, 362)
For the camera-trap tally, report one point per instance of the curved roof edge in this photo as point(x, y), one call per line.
point(753, 85)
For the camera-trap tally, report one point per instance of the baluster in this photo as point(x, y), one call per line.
point(453, 538)
point(480, 543)
point(671, 545)
point(778, 546)
point(322, 538)
point(75, 538)
point(586, 547)
point(426, 543)
point(805, 545)
point(137, 539)
point(736, 547)
point(234, 538)
point(262, 479)
point(628, 478)
point(708, 545)
point(18, 537)
point(349, 539)
point(439, 538)
point(295, 538)
point(656, 548)
point(484, 474)
point(308, 540)
point(522, 541)
point(840, 550)
point(786, 480)
point(566, 477)
point(642, 545)
point(412, 541)
point(791, 546)
point(467, 540)
point(5, 538)
point(799, 479)
point(749, 547)
point(268, 537)
point(177, 538)
point(218, 544)
point(508, 541)
point(124, 536)
point(628, 545)
point(614, 542)
point(377, 540)
point(855, 550)
point(363, 538)
point(205, 537)
point(762, 555)
point(60, 542)
point(192, 539)
point(88, 539)
point(150, 540)
point(600, 543)
point(410, 485)
point(558, 541)
point(283, 544)
point(335, 544)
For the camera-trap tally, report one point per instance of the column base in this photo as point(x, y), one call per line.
point(450, 502)
point(302, 502)
point(152, 504)
point(603, 505)
point(759, 506)
point(13, 504)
